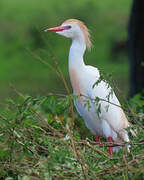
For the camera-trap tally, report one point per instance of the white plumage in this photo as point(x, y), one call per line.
point(111, 121)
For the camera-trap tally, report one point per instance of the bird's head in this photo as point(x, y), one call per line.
point(74, 29)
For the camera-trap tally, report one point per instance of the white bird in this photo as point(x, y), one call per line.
point(111, 121)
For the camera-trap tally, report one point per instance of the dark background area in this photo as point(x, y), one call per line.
point(136, 48)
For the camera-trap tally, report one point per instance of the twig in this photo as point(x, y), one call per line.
point(43, 62)
point(56, 94)
point(112, 144)
point(2, 117)
point(101, 99)
point(95, 149)
point(21, 143)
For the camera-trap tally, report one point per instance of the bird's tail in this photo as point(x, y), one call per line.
point(122, 137)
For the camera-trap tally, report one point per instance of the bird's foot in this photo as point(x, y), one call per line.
point(110, 139)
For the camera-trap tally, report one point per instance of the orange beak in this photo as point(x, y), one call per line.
point(57, 29)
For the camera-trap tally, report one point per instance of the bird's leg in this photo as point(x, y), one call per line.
point(110, 139)
point(96, 138)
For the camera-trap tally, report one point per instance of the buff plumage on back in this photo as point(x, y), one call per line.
point(83, 28)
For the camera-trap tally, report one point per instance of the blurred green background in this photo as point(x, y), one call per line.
point(21, 30)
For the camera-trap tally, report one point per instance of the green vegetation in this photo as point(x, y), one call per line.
point(38, 141)
point(22, 25)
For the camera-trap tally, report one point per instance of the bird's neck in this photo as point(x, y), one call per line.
point(76, 65)
point(76, 53)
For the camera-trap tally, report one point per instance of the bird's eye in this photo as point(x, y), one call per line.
point(67, 27)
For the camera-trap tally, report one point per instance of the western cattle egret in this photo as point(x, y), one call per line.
point(111, 121)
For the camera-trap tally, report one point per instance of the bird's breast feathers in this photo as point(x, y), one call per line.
point(77, 85)
point(81, 79)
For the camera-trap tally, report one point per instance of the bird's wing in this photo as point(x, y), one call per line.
point(109, 104)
